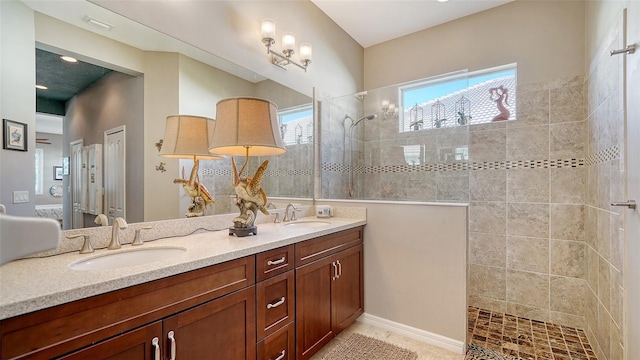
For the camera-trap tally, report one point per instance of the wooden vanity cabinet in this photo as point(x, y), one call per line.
point(329, 289)
point(218, 299)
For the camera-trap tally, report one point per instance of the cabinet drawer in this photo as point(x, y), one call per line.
point(279, 345)
point(314, 249)
point(273, 262)
point(275, 303)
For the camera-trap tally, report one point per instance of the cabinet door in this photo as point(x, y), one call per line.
point(133, 345)
point(348, 288)
point(223, 329)
point(313, 307)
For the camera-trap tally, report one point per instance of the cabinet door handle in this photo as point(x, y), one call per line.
point(172, 339)
point(276, 304)
point(155, 342)
point(276, 262)
point(281, 355)
point(339, 269)
point(335, 271)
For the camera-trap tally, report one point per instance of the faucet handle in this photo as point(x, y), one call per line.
point(86, 246)
point(277, 219)
point(293, 214)
point(137, 238)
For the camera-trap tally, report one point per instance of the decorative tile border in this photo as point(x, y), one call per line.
point(609, 154)
point(274, 173)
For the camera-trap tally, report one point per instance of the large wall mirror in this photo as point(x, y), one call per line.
point(148, 77)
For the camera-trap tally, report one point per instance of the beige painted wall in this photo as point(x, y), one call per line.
point(415, 265)
point(17, 101)
point(545, 38)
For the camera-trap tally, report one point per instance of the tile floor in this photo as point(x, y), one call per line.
point(528, 339)
point(424, 351)
point(511, 335)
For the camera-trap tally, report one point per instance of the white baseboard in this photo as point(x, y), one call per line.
point(414, 333)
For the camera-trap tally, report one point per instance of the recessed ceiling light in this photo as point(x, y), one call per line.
point(69, 59)
point(41, 87)
point(443, 0)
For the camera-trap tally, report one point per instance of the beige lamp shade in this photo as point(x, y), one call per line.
point(246, 123)
point(186, 136)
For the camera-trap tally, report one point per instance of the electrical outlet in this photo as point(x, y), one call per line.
point(20, 197)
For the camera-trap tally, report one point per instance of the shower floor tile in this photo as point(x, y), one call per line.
point(526, 338)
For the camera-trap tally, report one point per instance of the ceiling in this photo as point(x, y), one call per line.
point(371, 22)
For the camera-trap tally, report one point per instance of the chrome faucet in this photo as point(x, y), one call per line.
point(272, 206)
point(118, 224)
point(293, 213)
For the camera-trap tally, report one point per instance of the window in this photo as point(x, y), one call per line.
point(296, 125)
point(459, 99)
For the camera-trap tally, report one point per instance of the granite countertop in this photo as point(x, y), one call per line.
point(37, 283)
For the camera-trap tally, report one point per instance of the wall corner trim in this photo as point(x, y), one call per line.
point(414, 333)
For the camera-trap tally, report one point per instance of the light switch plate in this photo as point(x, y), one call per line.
point(20, 197)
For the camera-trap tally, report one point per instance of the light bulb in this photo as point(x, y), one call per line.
point(268, 29)
point(305, 52)
point(288, 42)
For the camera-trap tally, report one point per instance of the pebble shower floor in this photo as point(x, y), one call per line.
point(525, 338)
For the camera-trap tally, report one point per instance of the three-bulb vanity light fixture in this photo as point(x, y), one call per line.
point(288, 47)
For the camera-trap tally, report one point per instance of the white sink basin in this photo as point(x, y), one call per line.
point(308, 223)
point(127, 258)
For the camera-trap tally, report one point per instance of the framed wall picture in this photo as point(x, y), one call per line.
point(14, 135)
point(57, 173)
point(65, 165)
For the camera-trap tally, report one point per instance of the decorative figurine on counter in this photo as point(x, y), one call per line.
point(499, 95)
point(250, 197)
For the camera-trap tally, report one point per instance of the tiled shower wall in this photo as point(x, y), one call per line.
point(527, 254)
point(605, 183)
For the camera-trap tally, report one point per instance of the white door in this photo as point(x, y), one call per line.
point(75, 175)
point(632, 156)
point(114, 173)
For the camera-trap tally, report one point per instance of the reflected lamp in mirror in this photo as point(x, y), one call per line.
point(247, 126)
point(187, 137)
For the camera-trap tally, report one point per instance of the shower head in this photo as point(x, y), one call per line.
point(368, 117)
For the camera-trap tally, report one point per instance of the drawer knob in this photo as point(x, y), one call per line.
point(276, 262)
point(276, 304)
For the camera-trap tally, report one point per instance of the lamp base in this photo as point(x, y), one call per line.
point(242, 232)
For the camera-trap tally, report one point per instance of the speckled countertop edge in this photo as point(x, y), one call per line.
point(37, 283)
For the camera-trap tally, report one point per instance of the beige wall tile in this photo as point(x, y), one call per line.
point(528, 185)
point(488, 185)
point(488, 303)
point(567, 295)
point(567, 221)
point(488, 217)
point(529, 312)
point(617, 351)
point(567, 140)
point(487, 281)
point(616, 294)
point(577, 321)
point(604, 283)
point(528, 254)
point(490, 145)
point(528, 143)
point(568, 258)
point(593, 266)
point(528, 220)
point(532, 108)
point(568, 185)
point(617, 240)
point(590, 226)
point(528, 288)
point(567, 103)
point(604, 185)
point(603, 233)
point(487, 249)
point(603, 334)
